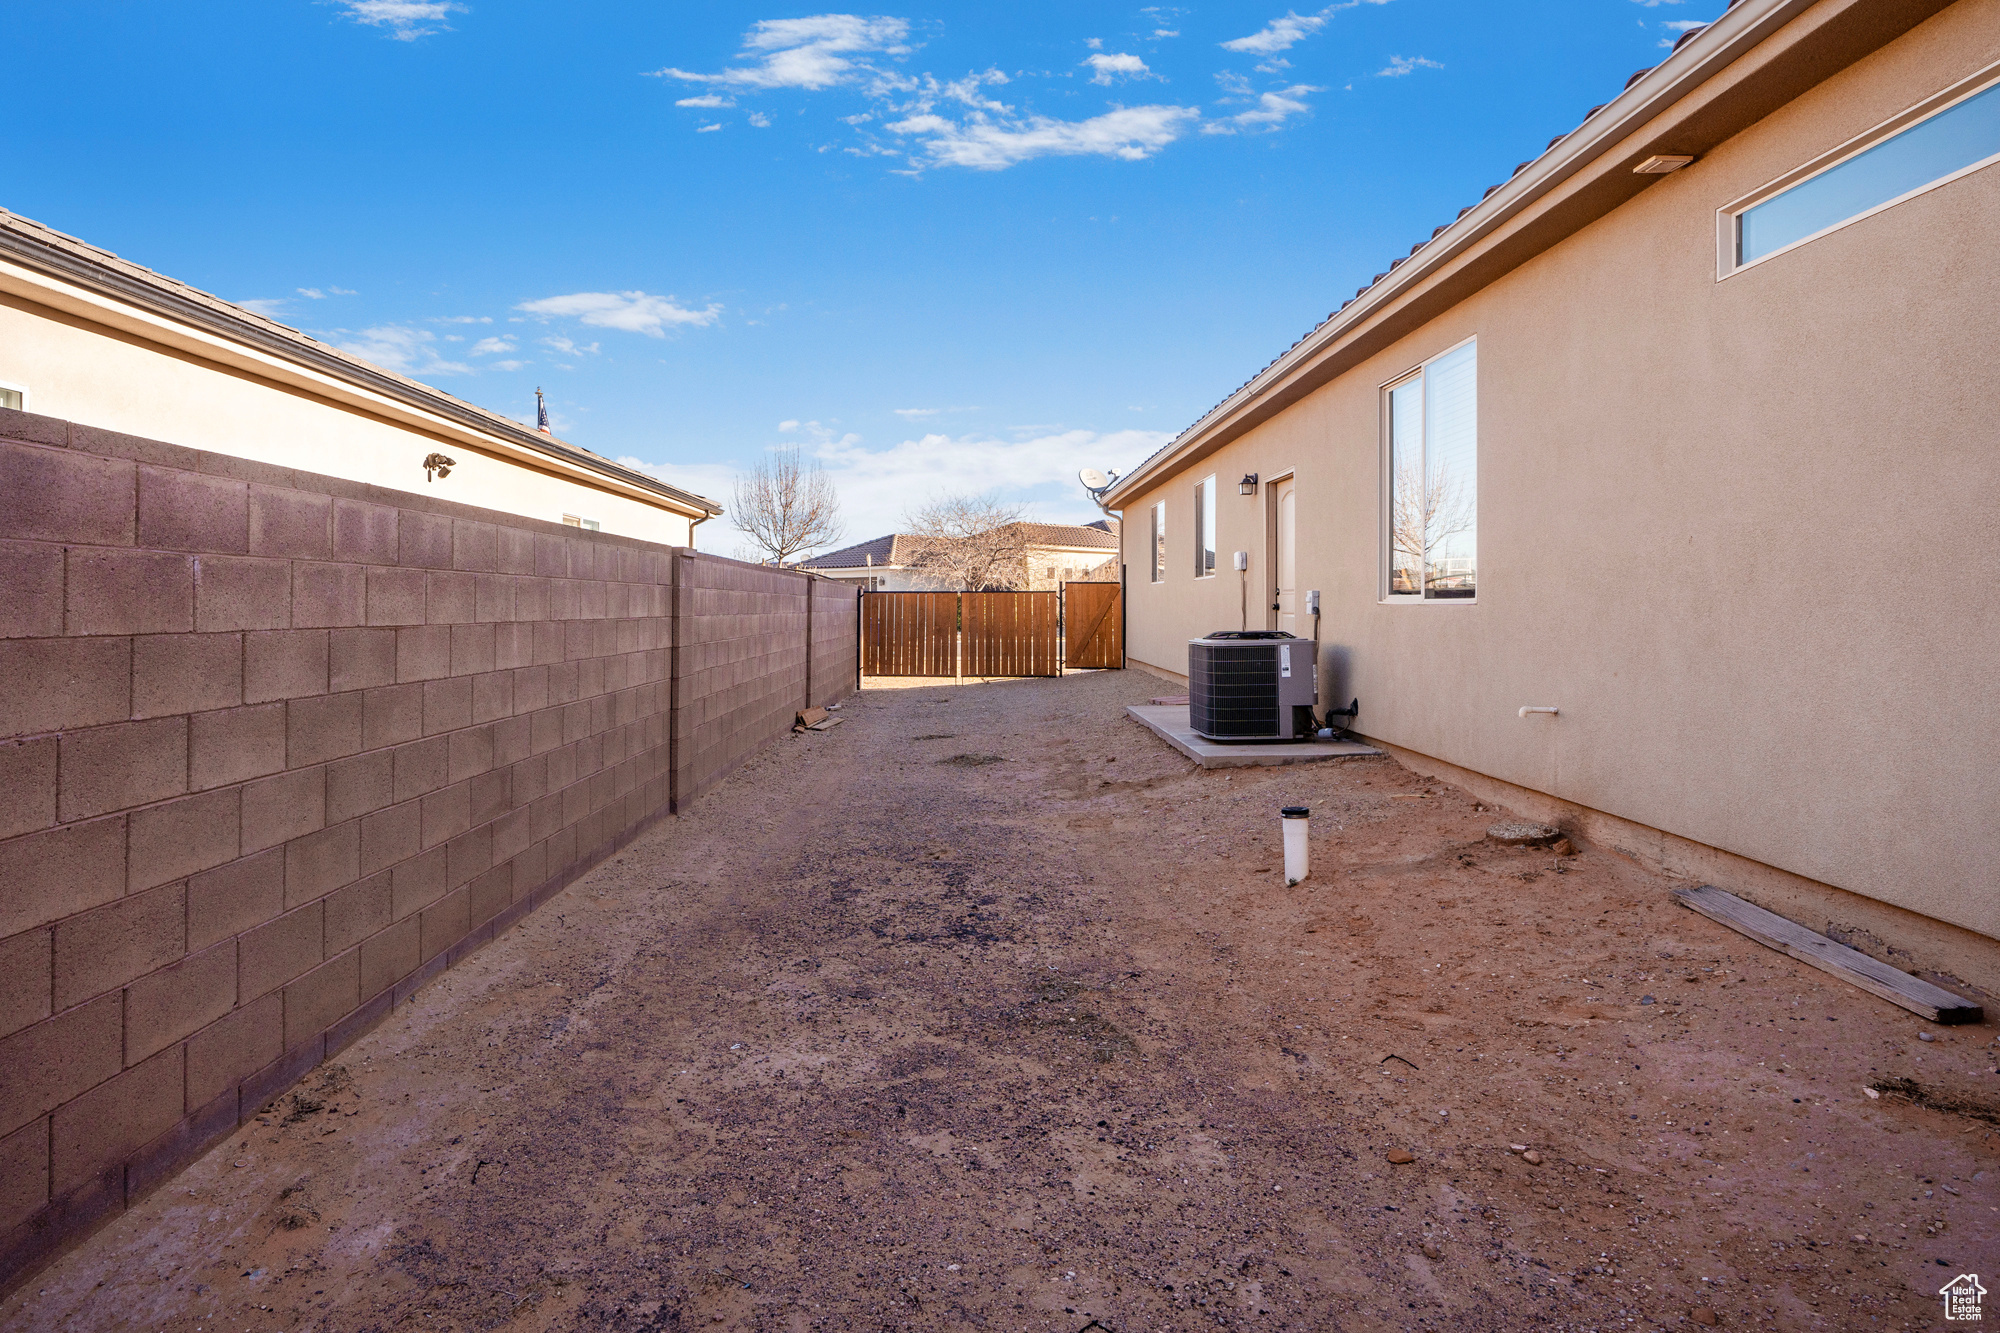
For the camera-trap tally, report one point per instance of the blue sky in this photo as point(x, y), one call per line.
point(968, 247)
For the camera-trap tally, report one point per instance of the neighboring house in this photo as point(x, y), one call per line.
point(94, 339)
point(1649, 434)
point(1053, 553)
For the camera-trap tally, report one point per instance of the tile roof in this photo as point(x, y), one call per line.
point(895, 550)
point(880, 551)
point(1071, 534)
point(47, 250)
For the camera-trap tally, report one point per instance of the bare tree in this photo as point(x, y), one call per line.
point(1426, 510)
point(786, 508)
point(970, 542)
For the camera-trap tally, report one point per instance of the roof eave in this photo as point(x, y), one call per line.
point(106, 281)
point(1707, 54)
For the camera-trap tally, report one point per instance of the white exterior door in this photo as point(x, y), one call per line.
point(1288, 562)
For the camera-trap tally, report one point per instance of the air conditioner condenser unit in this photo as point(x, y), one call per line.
point(1252, 685)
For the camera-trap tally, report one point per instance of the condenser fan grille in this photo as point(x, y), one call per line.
point(1233, 691)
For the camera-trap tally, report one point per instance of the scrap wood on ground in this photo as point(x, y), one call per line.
point(1042, 1041)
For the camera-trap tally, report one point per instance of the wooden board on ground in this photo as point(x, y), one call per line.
point(1851, 965)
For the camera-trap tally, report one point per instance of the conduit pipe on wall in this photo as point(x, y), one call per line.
point(1550, 711)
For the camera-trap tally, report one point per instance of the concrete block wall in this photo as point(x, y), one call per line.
point(277, 749)
point(741, 668)
point(835, 661)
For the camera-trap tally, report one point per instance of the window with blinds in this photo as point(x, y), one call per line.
point(1432, 481)
point(1204, 528)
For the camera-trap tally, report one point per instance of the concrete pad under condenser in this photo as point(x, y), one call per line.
point(1170, 723)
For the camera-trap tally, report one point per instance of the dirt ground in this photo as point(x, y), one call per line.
point(985, 1010)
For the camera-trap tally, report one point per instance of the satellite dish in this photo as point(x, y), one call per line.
point(1092, 479)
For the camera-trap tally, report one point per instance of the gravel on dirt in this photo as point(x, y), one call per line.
point(988, 1011)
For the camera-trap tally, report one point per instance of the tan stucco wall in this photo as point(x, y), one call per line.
point(98, 377)
point(1742, 533)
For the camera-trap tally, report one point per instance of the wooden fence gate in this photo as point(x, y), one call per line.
point(909, 633)
point(1093, 626)
point(992, 633)
point(1011, 633)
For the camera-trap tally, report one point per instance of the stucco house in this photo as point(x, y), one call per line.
point(89, 337)
point(1685, 432)
point(1052, 554)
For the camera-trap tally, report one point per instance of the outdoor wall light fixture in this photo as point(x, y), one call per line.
point(438, 464)
point(1248, 486)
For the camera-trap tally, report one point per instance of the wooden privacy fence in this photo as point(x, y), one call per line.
point(909, 634)
point(992, 633)
point(1011, 633)
point(1093, 626)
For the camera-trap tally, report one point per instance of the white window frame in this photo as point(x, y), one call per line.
point(1204, 540)
point(1386, 464)
point(21, 389)
point(1726, 217)
point(1157, 556)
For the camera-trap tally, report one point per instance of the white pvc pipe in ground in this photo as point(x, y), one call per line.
point(1296, 820)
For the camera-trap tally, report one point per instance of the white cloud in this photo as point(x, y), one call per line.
point(1278, 35)
point(400, 348)
point(788, 426)
point(1128, 133)
point(878, 487)
point(406, 20)
point(631, 312)
point(461, 319)
point(1272, 110)
point(509, 365)
point(1287, 32)
point(1112, 67)
point(270, 307)
point(567, 347)
point(929, 122)
point(312, 293)
point(807, 53)
point(491, 347)
point(1683, 25)
point(912, 413)
point(1398, 66)
point(1655, 4)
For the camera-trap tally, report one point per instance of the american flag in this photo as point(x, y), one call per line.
point(541, 414)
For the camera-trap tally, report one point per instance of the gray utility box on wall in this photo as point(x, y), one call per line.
point(1252, 685)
